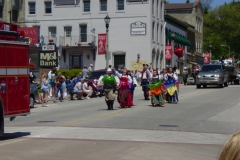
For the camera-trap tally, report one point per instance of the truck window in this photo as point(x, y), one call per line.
point(211, 68)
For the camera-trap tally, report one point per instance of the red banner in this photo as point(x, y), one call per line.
point(168, 52)
point(31, 33)
point(102, 44)
point(206, 58)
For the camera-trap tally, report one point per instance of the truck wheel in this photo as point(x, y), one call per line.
point(198, 86)
point(221, 85)
point(32, 103)
point(204, 86)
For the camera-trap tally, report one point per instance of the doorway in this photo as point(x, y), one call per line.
point(119, 61)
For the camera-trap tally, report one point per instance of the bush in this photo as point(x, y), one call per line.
point(71, 73)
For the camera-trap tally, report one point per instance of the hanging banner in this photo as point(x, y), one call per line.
point(168, 52)
point(206, 58)
point(102, 44)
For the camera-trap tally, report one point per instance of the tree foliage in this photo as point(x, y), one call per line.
point(206, 5)
point(222, 27)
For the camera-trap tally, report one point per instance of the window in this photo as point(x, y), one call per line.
point(103, 5)
point(153, 27)
point(120, 5)
point(32, 7)
point(86, 5)
point(1, 8)
point(66, 2)
point(15, 10)
point(157, 32)
point(52, 31)
point(68, 31)
point(152, 7)
point(48, 7)
point(83, 33)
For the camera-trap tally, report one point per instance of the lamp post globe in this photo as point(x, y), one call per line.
point(107, 21)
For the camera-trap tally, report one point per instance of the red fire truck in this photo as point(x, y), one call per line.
point(14, 74)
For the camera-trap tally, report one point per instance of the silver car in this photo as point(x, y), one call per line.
point(212, 74)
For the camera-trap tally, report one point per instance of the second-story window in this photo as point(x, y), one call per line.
point(15, 9)
point(1, 8)
point(52, 31)
point(86, 5)
point(103, 5)
point(68, 31)
point(120, 5)
point(48, 7)
point(32, 7)
point(83, 33)
point(153, 7)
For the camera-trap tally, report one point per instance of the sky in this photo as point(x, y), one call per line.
point(214, 4)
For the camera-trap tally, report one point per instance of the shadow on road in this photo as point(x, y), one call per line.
point(9, 136)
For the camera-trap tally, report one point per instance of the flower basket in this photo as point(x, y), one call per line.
point(32, 66)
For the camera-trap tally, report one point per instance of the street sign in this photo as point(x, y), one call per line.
point(48, 47)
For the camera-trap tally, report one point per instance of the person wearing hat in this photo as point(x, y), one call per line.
point(185, 75)
point(145, 74)
point(109, 83)
point(90, 68)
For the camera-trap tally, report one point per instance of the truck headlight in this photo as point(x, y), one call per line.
point(217, 75)
point(198, 76)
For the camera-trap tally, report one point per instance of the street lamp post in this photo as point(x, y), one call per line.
point(223, 45)
point(107, 21)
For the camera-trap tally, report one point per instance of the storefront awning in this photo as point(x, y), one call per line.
point(178, 38)
point(191, 62)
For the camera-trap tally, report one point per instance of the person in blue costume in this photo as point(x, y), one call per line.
point(172, 92)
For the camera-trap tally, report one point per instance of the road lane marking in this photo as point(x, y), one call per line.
point(200, 92)
point(93, 118)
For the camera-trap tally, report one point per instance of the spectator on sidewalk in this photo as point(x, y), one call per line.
point(85, 72)
point(231, 149)
point(86, 89)
point(78, 89)
point(90, 68)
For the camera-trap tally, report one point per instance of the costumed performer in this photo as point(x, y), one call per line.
point(157, 89)
point(124, 96)
point(109, 83)
point(144, 76)
point(170, 83)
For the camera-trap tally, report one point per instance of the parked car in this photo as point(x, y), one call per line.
point(190, 80)
point(212, 74)
point(33, 94)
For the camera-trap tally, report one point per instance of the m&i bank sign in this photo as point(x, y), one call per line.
point(48, 57)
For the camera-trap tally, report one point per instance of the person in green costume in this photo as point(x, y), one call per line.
point(156, 87)
point(109, 83)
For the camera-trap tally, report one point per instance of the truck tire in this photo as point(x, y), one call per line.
point(204, 86)
point(226, 84)
point(221, 85)
point(1, 119)
point(198, 86)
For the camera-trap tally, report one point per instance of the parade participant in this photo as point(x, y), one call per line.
point(172, 95)
point(133, 84)
point(109, 83)
point(157, 89)
point(145, 74)
point(59, 81)
point(185, 75)
point(124, 96)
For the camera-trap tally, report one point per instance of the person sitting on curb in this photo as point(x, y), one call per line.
point(78, 89)
point(86, 89)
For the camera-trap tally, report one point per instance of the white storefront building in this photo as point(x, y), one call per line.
point(74, 25)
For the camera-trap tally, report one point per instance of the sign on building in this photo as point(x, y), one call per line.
point(48, 47)
point(206, 58)
point(48, 59)
point(31, 33)
point(138, 28)
point(102, 44)
point(168, 52)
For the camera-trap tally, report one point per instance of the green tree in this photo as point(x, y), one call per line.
point(222, 27)
point(165, 1)
point(187, 1)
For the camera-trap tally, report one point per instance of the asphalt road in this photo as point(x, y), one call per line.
point(195, 128)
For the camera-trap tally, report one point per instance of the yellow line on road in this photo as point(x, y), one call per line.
point(200, 92)
point(93, 118)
